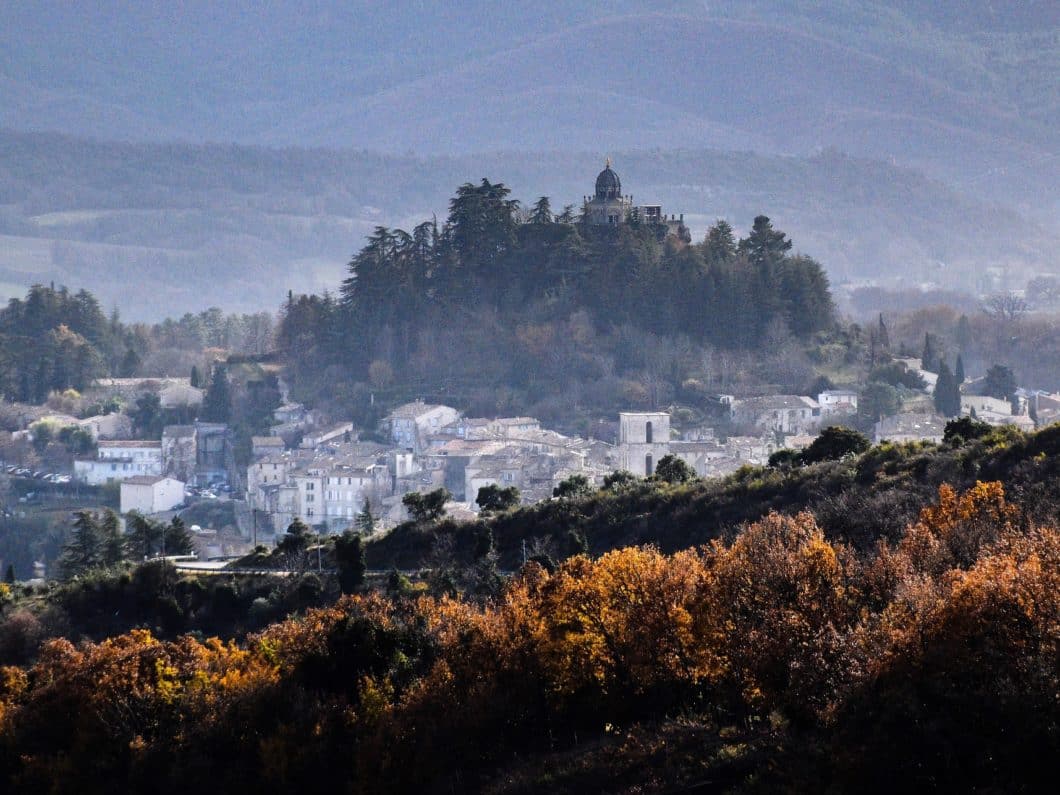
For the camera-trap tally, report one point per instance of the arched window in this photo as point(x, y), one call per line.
point(647, 432)
point(647, 465)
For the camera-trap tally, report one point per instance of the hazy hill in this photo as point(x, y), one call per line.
point(239, 226)
point(963, 90)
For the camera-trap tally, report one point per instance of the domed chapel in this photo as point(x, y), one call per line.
point(608, 205)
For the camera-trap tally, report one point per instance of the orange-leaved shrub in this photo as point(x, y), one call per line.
point(932, 660)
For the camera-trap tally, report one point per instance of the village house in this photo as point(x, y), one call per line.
point(116, 461)
point(994, 411)
point(148, 494)
point(910, 428)
point(200, 454)
point(410, 425)
point(108, 427)
point(327, 486)
point(929, 378)
point(338, 431)
point(261, 446)
point(780, 413)
point(179, 452)
point(838, 402)
point(172, 392)
point(1043, 406)
point(984, 404)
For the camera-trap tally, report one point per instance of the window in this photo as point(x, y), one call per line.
point(647, 432)
point(647, 465)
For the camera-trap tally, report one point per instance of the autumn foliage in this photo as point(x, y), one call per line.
point(932, 663)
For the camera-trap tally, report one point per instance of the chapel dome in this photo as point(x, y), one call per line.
point(608, 185)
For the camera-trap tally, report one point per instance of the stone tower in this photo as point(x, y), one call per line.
point(608, 205)
point(643, 438)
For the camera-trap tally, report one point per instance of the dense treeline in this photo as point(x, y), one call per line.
point(499, 294)
point(55, 340)
point(929, 662)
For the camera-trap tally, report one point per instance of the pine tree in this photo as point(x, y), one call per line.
point(720, 243)
point(84, 550)
point(113, 545)
point(177, 540)
point(542, 212)
point(144, 538)
point(366, 520)
point(765, 244)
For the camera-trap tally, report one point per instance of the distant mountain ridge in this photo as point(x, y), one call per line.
point(965, 91)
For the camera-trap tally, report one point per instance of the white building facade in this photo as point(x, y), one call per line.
point(118, 461)
point(148, 494)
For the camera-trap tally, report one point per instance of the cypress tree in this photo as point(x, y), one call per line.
point(217, 404)
point(947, 392)
point(929, 359)
point(959, 371)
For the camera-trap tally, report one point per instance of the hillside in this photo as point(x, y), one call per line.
point(965, 91)
point(856, 502)
point(239, 226)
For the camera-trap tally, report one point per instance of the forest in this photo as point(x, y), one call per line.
point(55, 339)
point(502, 302)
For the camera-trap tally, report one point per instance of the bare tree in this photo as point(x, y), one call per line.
point(1006, 307)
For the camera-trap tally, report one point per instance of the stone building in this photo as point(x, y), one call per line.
point(643, 438)
point(608, 206)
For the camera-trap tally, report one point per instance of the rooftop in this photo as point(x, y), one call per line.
point(414, 409)
point(266, 441)
point(777, 402)
point(177, 431)
point(146, 480)
point(132, 443)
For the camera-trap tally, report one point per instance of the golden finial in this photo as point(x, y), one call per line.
point(607, 162)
